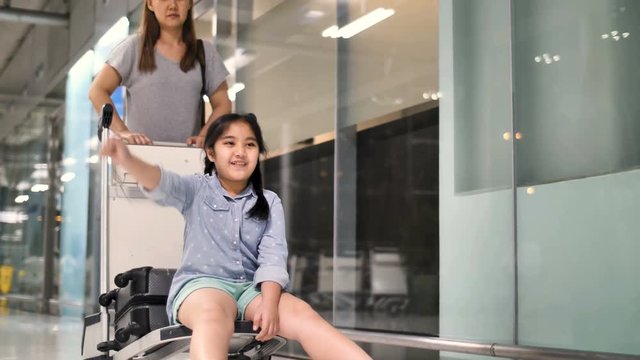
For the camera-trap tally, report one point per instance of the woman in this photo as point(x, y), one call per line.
point(160, 69)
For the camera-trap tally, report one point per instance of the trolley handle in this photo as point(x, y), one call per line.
point(104, 123)
point(105, 120)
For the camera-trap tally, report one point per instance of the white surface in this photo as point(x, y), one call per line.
point(142, 233)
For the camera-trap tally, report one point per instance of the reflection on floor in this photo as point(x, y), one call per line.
point(27, 336)
point(30, 336)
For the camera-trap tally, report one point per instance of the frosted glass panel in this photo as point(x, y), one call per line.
point(578, 263)
point(576, 85)
point(577, 111)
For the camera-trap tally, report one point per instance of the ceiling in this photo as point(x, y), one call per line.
point(19, 102)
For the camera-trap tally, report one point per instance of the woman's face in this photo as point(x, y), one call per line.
point(170, 13)
point(235, 154)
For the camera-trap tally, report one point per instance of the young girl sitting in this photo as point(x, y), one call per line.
point(235, 253)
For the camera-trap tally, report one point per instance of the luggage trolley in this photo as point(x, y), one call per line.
point(133, 323)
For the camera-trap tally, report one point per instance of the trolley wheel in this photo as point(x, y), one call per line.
point(107, 298)
point(121, 280)
point(106, 346)
point(122, 335)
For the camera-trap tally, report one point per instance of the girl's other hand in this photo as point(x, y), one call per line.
point(117, 150)
point(135, 138)
point(266, 318)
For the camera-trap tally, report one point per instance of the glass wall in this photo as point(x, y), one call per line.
point(29, 221)
point(538, 173)
point(457, 168)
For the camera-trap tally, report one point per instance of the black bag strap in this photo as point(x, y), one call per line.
point(203, 69)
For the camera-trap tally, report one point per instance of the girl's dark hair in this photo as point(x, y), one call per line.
point(261, 209)
point(150, 33)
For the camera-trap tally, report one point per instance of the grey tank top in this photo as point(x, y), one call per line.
point(164, 104)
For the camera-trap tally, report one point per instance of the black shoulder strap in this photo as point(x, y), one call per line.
point(203, 64)
point(203, 69)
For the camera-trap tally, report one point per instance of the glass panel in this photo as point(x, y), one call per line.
point(80, 122)
point(24, 189)
point(275, 49)
point(577, 160)
point(477, 289)
point(386, 265)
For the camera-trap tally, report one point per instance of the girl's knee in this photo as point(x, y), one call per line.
point(207, 315)
point(302, 311)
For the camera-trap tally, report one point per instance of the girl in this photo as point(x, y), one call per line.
point(160, 69)
point(234, 262)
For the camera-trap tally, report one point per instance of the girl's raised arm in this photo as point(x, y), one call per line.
point(148, 175)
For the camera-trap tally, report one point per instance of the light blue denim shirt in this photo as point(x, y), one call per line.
point(220, 240)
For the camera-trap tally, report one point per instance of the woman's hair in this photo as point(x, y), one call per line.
point(261, 209)
point(150, 33)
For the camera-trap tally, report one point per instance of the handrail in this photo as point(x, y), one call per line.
point(476, 348)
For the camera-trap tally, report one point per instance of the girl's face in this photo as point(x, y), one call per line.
point(170, 13)
point(235, 155)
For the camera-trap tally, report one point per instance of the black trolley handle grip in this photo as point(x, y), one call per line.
point(105, 119)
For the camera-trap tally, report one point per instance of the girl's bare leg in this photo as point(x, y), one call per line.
point(210, 314)
point(320, 340)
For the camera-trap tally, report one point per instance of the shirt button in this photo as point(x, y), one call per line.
point(241, 277)
point(235, 219)
point(235, 242)
point(237, 262)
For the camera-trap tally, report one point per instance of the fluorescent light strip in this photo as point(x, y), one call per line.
point(358, 25)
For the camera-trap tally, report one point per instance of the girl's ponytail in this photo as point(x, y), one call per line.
point(261, 208)
point(209, 166)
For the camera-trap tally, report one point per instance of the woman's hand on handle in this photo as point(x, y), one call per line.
point(134, 138)
point(195, 141)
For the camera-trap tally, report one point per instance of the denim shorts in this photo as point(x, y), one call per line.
point(242, 292)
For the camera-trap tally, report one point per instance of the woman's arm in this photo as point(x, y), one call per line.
point(100, 92)
point(221, 105)
point(146, 174)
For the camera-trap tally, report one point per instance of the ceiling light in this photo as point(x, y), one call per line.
point(21, 198)
point(23, 185)
point(39, 188)
point(93, 159)
point(12, 217)
point(239, 60)
point(234, 89)
point(66, 177)
point(358, 25)
point(314, 14)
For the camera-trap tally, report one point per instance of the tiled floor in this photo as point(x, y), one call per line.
point(27, 336)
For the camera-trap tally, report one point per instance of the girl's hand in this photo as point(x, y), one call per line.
point(117, 150)
point(266, 318)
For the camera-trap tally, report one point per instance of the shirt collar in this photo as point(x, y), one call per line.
point(248, 191)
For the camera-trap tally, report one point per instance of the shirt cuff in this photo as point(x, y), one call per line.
point(272, 273)
point(161, 191)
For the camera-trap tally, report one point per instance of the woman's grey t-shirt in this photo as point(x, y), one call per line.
point(164, 104)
